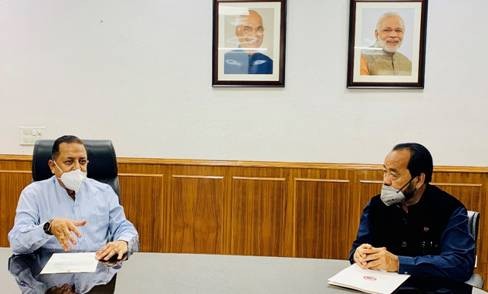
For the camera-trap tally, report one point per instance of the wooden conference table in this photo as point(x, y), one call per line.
point(197, 273)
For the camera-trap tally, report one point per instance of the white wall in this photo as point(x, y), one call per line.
point(139, 72)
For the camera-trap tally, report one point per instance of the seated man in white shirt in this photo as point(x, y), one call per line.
point(70, 211)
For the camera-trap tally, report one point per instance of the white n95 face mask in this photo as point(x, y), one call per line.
point(390, 195)
point(72, 179)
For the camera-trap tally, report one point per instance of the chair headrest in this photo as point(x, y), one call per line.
point(101, 154)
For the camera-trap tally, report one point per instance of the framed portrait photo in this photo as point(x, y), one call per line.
point(387, 44)
point(249, 43)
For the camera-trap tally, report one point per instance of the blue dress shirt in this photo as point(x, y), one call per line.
point(95, 202)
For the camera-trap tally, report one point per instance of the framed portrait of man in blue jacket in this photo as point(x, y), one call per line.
point(249, 43)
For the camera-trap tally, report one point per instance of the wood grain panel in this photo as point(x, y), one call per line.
point(196, 216)
point(322, 218)
point(143, 206)
point(367, 190)
point(367, 183)
point(258, 216)
point(469, 194)
point(11, 184)
point(364, 190)
point(16, 162)
point(250, 207)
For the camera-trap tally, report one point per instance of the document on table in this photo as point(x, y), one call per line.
point(80, 262)
point(368, 281)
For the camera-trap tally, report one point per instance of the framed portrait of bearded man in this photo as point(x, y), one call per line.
point(249, 43)
point(387, 44)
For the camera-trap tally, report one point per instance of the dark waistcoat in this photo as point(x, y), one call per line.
point(417, 232)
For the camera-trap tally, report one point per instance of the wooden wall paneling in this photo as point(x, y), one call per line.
point(289, 244)
point(342, 173)
point(11, 184)
point(468, 194)
point(16, 163)
point(367, 190)
point(196, 214)
point(227, 212)
point(365, 183)
point(258, 213)
point(142, 199)
point(140, 168)
point(368, 184)
point(322, 217)
point(264, 172)
point(260, 202)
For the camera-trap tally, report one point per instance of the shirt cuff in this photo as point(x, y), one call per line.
point(40, 234)
point(406, 264)
point(132, 244)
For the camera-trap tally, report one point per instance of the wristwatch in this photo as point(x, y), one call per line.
point(47, 227)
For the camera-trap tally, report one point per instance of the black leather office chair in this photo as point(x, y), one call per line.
point(101, 154)
point(473, 222)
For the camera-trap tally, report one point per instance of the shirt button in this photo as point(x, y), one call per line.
point(404, 244)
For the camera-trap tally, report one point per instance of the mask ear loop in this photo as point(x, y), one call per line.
point(403, 187)
point(62, 172)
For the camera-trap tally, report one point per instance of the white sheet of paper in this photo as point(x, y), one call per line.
point(80, 262)
point(369, 281)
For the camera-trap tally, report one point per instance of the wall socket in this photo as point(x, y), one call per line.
point(29, 135)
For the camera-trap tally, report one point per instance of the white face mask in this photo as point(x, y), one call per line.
point(390, 195)
point(72, 179)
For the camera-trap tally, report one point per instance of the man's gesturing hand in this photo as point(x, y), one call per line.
point(66, 231)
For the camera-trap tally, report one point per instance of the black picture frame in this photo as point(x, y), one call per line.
point(387, 44)
point(249, 40)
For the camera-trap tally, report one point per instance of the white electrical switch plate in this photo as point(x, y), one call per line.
point(29, 135)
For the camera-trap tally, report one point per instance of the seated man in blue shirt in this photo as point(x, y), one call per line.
point(249, 31)
point(71, 211)
point(413, 227)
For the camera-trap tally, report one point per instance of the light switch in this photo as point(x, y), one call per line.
point(29, 135)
